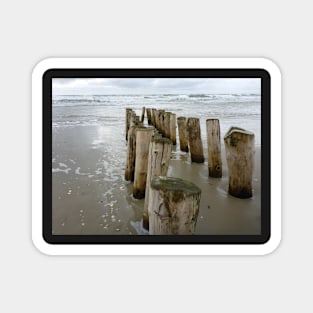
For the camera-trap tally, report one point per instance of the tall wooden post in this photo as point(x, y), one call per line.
point(161, 121)
point(131, 154)
point(158, 162)
point(143, 138)
point(153, 114)
point(157, 119)
point(240, 149)
point(127, 119)
point(214, 147)
point(182, 133)
point(173, 206)
point(148, 110)
point(195, 143)
point(133, 120)
point(167, 126)
point(142, 114)
point(173, 128)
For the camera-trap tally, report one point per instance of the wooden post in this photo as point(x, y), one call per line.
point(143, 138)
point(137, 119)
point(214, 147)
point(158, 162)
point(157, 120)
point(153, 114)
point(132, 119)
point(161, 121)
point(194, 137)
point(142, 114)
point(167, 116)
point(173, 206)
point(148, 110)
point(173, 128)
point(182, 133)
point(239, 146)
point(131, 154)
point(128, 116)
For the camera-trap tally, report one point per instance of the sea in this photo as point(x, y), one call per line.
point(241, 110)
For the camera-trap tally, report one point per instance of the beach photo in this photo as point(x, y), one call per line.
point(156, 156)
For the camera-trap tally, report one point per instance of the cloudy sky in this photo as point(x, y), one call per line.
point(111, 86)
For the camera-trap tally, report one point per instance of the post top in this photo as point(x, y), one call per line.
point(239, 130)
point(174, 184)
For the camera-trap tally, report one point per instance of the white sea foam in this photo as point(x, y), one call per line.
point(60, 170)
point(77, 172)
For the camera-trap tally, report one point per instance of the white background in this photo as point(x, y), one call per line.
point(34, 30)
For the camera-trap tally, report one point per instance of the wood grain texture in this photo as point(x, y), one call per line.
point(240, 149)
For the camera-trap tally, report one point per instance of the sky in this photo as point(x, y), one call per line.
point(126, 86)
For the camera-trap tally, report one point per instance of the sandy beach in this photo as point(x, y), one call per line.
point(90, 195)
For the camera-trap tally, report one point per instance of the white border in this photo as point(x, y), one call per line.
point(149, 249)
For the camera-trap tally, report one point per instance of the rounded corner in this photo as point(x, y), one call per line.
point(271, 245)
point(271, 67)
point(42, 66)
point(41, 245)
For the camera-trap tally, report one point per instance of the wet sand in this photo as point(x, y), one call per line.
point(90, 195)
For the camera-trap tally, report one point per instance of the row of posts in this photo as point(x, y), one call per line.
point(148, 156)
point(171, 204)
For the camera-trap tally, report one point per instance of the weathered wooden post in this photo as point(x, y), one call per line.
point(132, 119)
point(173, 206)
point(194, 137)
point(137, 119)
point(239, 146)
point(153, 114)
point(161, 121)
point(158, 162)
point(128, 116)
point(143, 138)
point(182, 133)
point(131, 154)
point(157, 119)
point(167, 116)
point(148, 110)
point(173, 128)
point(214, 147)
point(142, 114)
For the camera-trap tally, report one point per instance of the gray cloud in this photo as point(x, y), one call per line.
point(155, 85)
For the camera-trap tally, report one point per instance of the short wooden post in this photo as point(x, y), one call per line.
point(239, 146)
point(158, 162)
point(143, 138)
point(142, 114)
point(173, 128)
point(194, 137)
point(173, 206)
point(214, 147)
point(131, 154)
point(148, 110)
point(127, 124)
point(182, 133)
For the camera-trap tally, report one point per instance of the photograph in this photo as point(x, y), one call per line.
point(156, 156)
